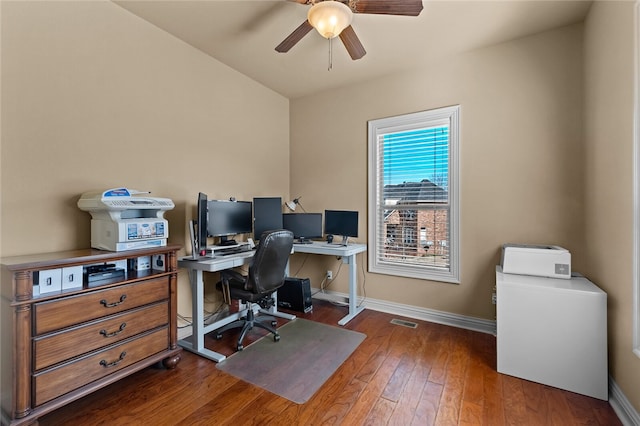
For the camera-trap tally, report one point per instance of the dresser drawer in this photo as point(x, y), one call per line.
point(63, 379)
point(57, 347)
point(65, 312)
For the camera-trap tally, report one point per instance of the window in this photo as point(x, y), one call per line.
point(413, 195)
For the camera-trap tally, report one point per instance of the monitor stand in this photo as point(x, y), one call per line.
point(344, 240)
point(227, 242)
point(303, 240)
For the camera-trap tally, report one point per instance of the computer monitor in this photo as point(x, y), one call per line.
point(267, 215)
point(304, 226)
point(201, 223)
point(229, 218)
point(341, 222)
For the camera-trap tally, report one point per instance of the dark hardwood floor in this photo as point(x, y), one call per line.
point(432, 374)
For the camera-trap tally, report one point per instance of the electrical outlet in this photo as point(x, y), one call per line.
point(494, 298)
point(329, 275)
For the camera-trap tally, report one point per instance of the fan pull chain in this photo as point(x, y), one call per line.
point(330, 55)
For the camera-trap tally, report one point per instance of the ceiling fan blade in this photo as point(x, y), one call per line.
point(390, 7)
point(352, 43)
point(294, 37)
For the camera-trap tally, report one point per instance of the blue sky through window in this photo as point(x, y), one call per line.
point(415, 155)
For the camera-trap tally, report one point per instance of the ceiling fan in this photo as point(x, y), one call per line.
point(340, 12)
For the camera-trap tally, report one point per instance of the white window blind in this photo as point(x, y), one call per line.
point(413, 217)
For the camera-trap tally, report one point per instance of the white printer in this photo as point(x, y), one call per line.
point(537, 260)
point(126, 219)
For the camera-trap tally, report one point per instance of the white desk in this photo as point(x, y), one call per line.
point(199, 328)
point(198, 267)
point(348, 254)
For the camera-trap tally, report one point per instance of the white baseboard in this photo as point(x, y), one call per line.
point(430, 315)
point(409, 311)
point(184, 333)
point(627, 414)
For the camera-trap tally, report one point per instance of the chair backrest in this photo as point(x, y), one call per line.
point(267, 269)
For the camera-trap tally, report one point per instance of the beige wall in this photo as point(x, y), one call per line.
point(521, 157)
point(609, 72)
point(93, 98)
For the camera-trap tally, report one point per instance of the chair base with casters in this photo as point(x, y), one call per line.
point(266, 274)
point(248, 322)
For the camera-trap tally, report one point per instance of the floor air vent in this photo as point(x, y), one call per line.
point(404, 323)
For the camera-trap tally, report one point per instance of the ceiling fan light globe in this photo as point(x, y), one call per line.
point(330, 17)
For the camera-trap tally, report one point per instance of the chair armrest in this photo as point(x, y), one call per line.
point(230, 274)
point(235, 279)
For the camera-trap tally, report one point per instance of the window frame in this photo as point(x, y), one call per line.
point(636, 186)
point(417, 120)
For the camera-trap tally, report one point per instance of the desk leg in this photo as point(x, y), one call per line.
point(197, 325)
point(353, 290)
point(275, 313)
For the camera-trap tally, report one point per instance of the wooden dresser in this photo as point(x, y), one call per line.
point(63, 337)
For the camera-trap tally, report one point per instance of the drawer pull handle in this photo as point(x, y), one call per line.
point(106, 364)
point(111, 305)
point(114, 333)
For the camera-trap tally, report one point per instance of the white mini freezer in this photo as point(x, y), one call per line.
point(553, 331)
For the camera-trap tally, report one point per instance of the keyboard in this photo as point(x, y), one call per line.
point(232, 252)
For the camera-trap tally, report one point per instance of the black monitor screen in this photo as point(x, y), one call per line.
point(229, 218)
point(201, 222)
point(267, 215)
point(341, 222)
point(303, 225)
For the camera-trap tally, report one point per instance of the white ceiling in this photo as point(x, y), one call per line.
point(244, 33)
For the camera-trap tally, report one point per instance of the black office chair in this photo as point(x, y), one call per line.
point(266, 275)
